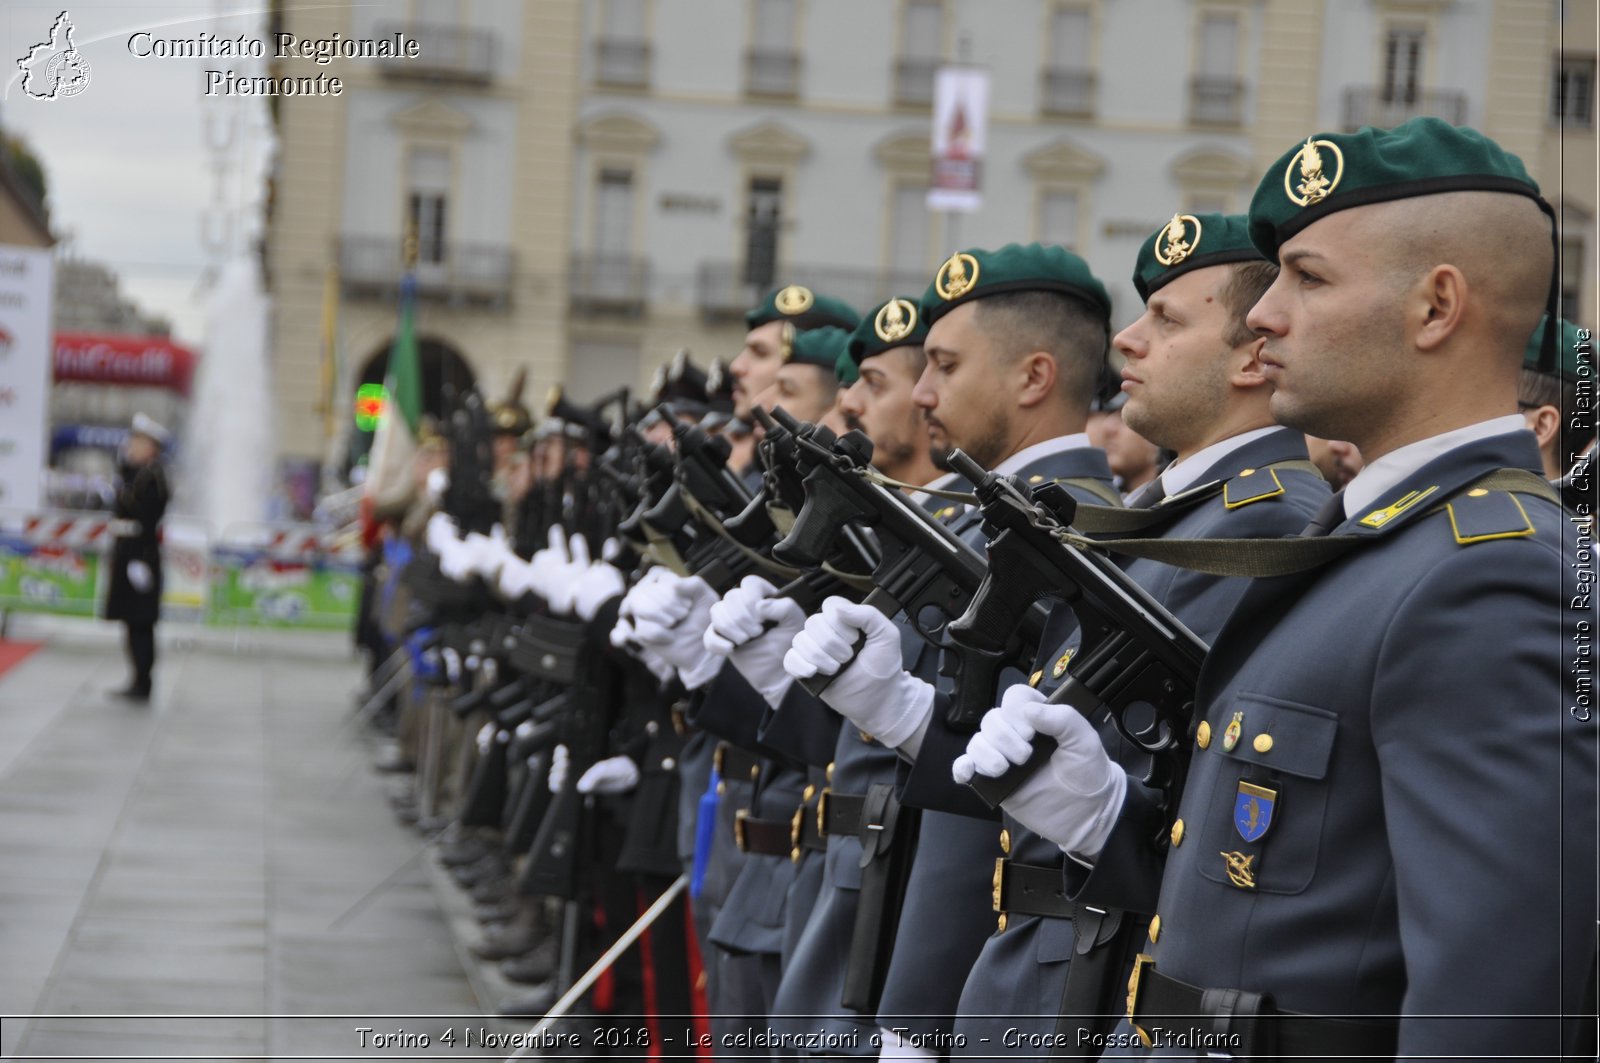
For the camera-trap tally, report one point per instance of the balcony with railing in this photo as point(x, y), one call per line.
point(1067, 93)
point(771, 73)
point(913, 81)
point(464, 273)
point(725, 290)
point(1217, 101)
point(1364, 106)
point(445, 53)
point(609, 285)
point(622, 63)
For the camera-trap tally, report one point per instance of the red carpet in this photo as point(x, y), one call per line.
point(14, 653)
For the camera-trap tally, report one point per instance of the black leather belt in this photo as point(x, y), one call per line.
point(1241, 1023)
point(763, 837)
point(735, 764)
point(839, 813)
point(1027, 889)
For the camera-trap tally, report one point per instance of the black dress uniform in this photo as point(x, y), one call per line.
point(141, 500)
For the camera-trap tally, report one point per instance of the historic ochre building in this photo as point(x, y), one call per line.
point(595, 185)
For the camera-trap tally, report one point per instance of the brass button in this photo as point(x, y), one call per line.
point(722, 788)
point(1000, 924)
point(1247, 472)
point(1033, 680)
point(1476, 492)
point(1177, 834)
point(1263, 743)
point(1155, 929)
point(830, 771)
point(864, 736)
point(808, 793)
point(1005, 841)
point(1202, 737)
point(755, 772)
point(1036, 479)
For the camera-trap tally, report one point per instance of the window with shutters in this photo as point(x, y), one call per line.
point(622, 51)
point(1216, 92)
point(427, 202)
point(1402, 65)
point(1069, 80)
point(1572, 95)
point(921, 50)
point(763, 209)
point(772, 65)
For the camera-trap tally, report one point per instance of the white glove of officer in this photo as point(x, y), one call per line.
point(488, 552)
point(739, 632)
point(670, 617)
point(435, 485)
point(441, 529)
point(622, 635)
point(1074, 800)
point(457, 560)
point(872, 691)
point(549, 570)
point(614, 775)
point(140, 576)
point(596, 582)
point(516, 578)
point(560, 768)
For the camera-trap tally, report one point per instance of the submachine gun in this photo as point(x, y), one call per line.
point(1137, 662)
point(923, 569)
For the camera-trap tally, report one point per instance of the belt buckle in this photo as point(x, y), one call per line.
point(822, 811)
point(717, 755)
point(738, 828)
point(797, 824)
point(999, 893)
point(680, 720)
point(1140, 962)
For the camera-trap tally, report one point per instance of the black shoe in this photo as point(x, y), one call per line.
point(536, 965)
point(533, 1005)
point(133, 693)
point(503, 944)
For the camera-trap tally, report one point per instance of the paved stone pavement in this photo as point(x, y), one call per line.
point(201, 856)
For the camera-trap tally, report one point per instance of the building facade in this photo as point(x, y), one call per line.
point(689, 154)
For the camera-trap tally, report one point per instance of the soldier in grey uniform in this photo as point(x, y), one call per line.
point(1016, 345)
point(1387, 841)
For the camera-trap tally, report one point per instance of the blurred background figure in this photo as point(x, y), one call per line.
point(1134, 460)
point(134, 589)
point(1338, 460)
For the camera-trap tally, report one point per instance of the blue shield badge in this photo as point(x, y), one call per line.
point(1252, 810)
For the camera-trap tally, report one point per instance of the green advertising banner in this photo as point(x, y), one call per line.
point(252, 588)
point(48, 579)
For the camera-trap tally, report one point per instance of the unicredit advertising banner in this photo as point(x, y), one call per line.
point(130, 361)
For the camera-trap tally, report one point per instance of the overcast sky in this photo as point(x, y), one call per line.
point(131, 176)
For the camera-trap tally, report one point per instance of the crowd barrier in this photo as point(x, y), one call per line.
point(252, 575)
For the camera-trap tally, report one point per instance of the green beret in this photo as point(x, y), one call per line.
point(846, 369)
point(1574, 345)
point(974, 274)
point(818, 346)
point(1333, 171)
point(802, 308)
point(1190, 242)
point(897, 322)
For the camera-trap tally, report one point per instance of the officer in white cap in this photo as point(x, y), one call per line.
point(134, 590)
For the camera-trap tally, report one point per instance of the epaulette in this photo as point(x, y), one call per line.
point(1251, 485)
point(1480, 515)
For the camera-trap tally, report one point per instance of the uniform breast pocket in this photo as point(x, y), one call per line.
point(1262, 830)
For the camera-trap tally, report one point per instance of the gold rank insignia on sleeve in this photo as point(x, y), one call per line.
point(1379, 517)
point(795, 299)
point(1174, 244)
point(895, 320)
point(1315, 183)
point(957, 276)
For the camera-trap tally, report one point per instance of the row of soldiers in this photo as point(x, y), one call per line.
point(959, 752)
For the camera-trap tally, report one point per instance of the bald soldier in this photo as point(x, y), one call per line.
point(1386, 843)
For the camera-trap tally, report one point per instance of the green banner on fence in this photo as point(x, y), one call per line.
point(253, 589)
point(48, 579)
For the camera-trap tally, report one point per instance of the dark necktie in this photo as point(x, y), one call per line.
point(1150, 494)
point(1329, 517)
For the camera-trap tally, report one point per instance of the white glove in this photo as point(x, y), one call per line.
point(1075, 799)
point(739, 632)
point(596, 583)
point(434, 487)
point(873, 691)
point(623, 635)
point(560, 767)
point(515, 578)
point(614, 775)
point(485, 555)
point(441, 529)
point(140, 576)
point(670, 617)
point(548, 570)
point(457, 561)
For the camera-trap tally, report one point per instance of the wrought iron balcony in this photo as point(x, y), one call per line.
point(768, 72)
point(1068, 93)
point(370, 267)
point(446, 53)
point(622, 63)
point(724, 290)
point(913, 81)
point(1216, 101)
point(1365, 105)
point(604, 285)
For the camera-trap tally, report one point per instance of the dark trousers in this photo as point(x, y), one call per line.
point(141, 652)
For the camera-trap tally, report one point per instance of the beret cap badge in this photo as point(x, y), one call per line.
point(957, 276)
point(1315, 183)
point(795, 299)
point(1174, 244)
point(895, 320)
